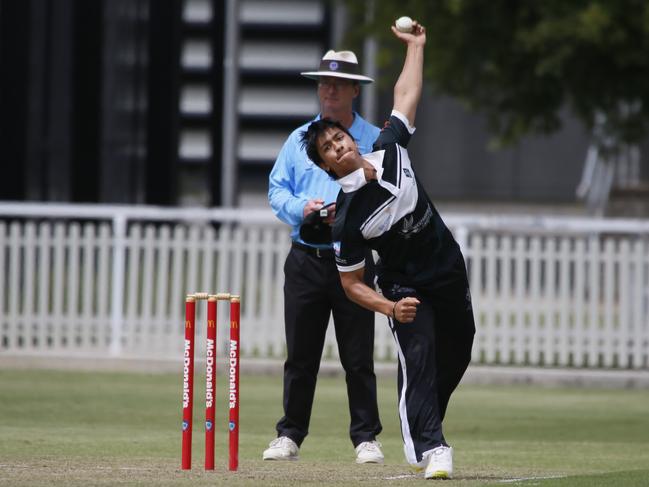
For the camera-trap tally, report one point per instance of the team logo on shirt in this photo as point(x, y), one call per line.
point(409, 227)
point(408, 222)
point(407, 172)
point(336, 247)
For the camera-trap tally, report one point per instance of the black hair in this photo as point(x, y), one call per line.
point(310, 136)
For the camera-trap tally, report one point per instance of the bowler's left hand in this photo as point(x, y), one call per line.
point(331, 214)
point(405, 310)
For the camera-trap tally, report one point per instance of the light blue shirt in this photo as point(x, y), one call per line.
point(295, 179)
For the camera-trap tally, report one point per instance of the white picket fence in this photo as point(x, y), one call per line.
point(110, 281)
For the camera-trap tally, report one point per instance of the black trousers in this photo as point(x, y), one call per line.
point(312, 291)
point(434, 352)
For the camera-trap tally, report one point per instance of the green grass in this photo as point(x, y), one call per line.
point(91, 428)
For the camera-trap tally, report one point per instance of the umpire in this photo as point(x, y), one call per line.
point(312, 290)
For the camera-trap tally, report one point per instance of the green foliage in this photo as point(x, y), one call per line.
point(521, 62)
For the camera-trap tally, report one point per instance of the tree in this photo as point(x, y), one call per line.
point(520, 62)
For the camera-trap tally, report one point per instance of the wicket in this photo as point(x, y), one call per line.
point(210, 380)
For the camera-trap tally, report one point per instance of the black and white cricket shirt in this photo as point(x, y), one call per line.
point(394, 216)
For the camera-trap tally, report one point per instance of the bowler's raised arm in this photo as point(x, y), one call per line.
point(407, 89)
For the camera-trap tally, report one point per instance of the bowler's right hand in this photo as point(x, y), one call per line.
point(417, 36)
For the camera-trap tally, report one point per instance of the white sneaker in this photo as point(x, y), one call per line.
point(282, 448)
point(369, 452)
point(440, 463)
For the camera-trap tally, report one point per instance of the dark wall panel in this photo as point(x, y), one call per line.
point(87, 34)
point(123, 108)
point(14, 48)
point(162, 88)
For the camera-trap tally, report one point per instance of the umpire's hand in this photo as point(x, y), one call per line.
point(311, 206)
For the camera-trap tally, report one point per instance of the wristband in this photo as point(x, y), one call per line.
point(394, 309)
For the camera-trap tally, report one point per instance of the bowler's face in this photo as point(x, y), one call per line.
point(332, 145)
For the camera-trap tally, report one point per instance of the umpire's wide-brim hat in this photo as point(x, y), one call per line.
point(339, 64)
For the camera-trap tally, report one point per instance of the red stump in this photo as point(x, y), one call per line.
point(234, 382)
point(188, 382)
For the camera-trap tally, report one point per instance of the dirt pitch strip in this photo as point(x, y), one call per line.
point(48, 472)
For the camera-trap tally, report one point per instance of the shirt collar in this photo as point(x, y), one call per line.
point(356, 180)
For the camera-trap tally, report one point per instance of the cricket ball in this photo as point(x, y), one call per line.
point(403, 24)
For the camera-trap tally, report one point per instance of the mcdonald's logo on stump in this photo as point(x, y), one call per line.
point(210, 378)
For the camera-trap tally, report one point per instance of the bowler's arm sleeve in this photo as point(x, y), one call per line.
point(349, 248)
point(397, 129)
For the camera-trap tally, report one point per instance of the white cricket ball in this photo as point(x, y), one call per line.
point(403, 24)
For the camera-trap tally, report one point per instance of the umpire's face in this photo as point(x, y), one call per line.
point(336, 96)
point(338, 151)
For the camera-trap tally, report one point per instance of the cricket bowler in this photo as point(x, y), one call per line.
point(421, 272)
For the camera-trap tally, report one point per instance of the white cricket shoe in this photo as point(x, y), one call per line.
point(369, 452)
point(440, 463)
point(282, 448)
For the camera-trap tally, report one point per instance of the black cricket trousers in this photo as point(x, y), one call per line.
point(434, 352)
point(312, 291)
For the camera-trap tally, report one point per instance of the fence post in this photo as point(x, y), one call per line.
point(117, 292)
point(461, 234)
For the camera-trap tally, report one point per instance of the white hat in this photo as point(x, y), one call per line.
point(341, 64)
